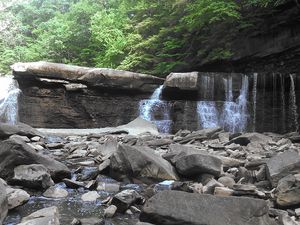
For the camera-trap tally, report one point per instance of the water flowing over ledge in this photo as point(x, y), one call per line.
point(104, 98)
point(9, 94)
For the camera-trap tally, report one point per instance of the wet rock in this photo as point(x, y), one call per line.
point(91, 185)
point(125, 199)
point(21, 129)
point(246, 138)
point(90, 196)
point(15, 152)
point(174, 207)
point(55, 192)
point(288, 190)
point(282, 165)
point(110, 211)
point(73, 184)
point(46, 216)
point(103, 166)
point(16, 197)
point(106, 150)
point(108, 187)
point(32, 176)
point(141, 163)
point(3, 202)
point(193, 165)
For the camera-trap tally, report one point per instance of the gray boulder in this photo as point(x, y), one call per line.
point(3, 202)
point(288, 191)
point(141, 163)
point(125, 199)
point(197, 164)
point(182, 81)
point(21, 129)
point(46, 216)
point(32, 176)
point(15, 152)
point(16, 197)
point(282, 165)
point(95, 77)
point(246, 138)
point(176, 207)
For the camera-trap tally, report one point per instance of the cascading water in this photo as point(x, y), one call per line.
point(9, 94)
point(293, 105)
point(233, 116)
point(147, 109)
point(254, 96)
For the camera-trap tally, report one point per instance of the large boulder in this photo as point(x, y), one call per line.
point(288, 191)
point(34, 176)
point(282, 165)
point(15, 152)
point(141, 163)
point(176, 207)
point(7, 130)
point(197, 164)
point(182, 81)
point(247, 138)
point(46, 216)
point(95, 77)
point(3, 202)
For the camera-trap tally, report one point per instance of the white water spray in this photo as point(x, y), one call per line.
point(293, 104)
point(9, 94)
point(147, 109)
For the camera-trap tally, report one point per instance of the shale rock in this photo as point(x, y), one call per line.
point(55, 192)
point(141, 163)
point(282, 165)
point(46, 216)
point(32, 176)
point(16, 197)
point(197, 164)
point(21, 129)
point(125, 199)
point(3, 202)
point(288, 190)
point(15, 152)
point(95, 77)
point(245, 139)
point(182, 81)
point(175, 207)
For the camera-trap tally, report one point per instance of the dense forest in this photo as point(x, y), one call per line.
point(150, 36)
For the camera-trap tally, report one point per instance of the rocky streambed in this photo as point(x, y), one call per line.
point(122, 176)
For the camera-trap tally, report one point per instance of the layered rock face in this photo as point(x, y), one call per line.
point(64, 96)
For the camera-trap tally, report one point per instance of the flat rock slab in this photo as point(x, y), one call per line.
point(46, 216)
point(282, 165)
point(22, 129)
point(141, 163)
point(182, 81)
point(246, 138)
point(95, 77)
point(176, 207)
point(197, 164)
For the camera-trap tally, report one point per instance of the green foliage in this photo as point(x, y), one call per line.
point(140, 35)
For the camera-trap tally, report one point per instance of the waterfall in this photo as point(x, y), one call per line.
point(148, 108)
point(234, 115)
point(234, 118)
point(282, 99)
point(254, 95)
point(293, 105)
point(9, 93)
point(208, 114)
